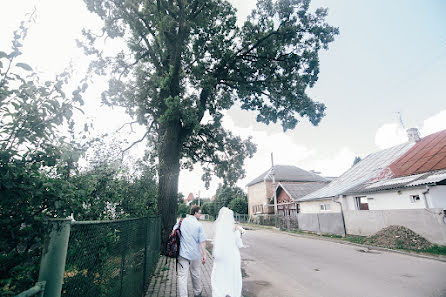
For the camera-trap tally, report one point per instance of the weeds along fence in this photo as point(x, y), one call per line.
point(100, 258)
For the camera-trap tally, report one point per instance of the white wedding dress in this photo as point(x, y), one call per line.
point(226, 278)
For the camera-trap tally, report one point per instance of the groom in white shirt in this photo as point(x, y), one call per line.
point(192, 250)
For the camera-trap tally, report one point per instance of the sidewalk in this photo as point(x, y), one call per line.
point(164, 280)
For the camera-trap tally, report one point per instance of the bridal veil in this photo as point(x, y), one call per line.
point(226, 275)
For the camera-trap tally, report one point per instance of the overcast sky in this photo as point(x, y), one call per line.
point(389, 58)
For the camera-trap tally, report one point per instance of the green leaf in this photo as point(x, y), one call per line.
point(24, 66)
point(3, 55)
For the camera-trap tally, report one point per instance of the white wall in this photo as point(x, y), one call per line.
point(436, 198)
point(429, 223)
point(384, 200)
point(315, 206)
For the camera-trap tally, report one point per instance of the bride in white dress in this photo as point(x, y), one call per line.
point(226, 275)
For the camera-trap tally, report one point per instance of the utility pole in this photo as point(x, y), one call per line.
point(273, 174)
point(199, 201)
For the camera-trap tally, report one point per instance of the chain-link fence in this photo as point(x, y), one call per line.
point(112, 258)
point(241, 218)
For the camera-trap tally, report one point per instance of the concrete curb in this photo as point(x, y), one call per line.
point(370, 247)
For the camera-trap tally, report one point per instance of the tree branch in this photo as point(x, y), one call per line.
point(137, 141)
point(131, 123)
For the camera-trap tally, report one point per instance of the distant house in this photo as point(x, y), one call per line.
point(188, 200)
point(261, 189)
point(403, 185)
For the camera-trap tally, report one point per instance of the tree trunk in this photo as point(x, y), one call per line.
point(169, 170)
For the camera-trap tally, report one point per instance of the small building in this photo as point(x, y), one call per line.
point(288, 193)
point(261, 189)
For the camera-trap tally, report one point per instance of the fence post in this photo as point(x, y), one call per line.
point(52, 265)
point(124, 247)
point(144, 277)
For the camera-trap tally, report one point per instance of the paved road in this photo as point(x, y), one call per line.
point(281, 265)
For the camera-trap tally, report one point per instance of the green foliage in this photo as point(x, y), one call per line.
point(32, 160)
point(200, 201)
point(355, 239)
point(207, 208)
point(239, 205)
point(434, 250)
point(225, 194)
point(180, 198)
point(232, 197)
point(183, 209)
point(39, 172)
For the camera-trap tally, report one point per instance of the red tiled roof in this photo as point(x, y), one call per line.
point(428, 154)
point(190, 197)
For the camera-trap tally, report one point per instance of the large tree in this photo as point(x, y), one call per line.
point(188, 61)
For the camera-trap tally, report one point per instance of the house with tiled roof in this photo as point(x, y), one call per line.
point(416, 180)
point(403, 185)
point(289, 182)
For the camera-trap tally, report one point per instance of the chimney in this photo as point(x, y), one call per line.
point(413, 134)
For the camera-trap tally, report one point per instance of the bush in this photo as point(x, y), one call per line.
point(207, 208)
point(239, 205)
point(183, 209)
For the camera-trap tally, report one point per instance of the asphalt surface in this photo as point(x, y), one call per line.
point(278, 264)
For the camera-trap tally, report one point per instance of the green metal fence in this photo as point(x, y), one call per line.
point(108, 259)
point(98, 258)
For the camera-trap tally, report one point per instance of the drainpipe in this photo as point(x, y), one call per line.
point(424, 195)
point(342, 212)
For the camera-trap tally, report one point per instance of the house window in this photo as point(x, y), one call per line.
point(257, 208)
point(361, 203)
point(325, 206)
point(414, 198)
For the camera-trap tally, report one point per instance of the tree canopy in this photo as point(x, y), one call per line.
point(188, 61)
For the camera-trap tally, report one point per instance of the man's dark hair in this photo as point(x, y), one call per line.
point(194, 209)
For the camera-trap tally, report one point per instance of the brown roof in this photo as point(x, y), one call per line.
point(190, 197)
point(428, 154)
point(284, 173)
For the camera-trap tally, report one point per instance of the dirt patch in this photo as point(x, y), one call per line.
point(398, 237)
